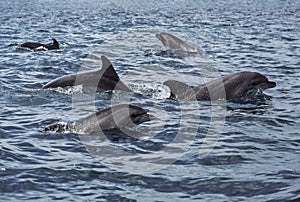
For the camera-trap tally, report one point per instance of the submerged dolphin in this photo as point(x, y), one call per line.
point(228, 87)
point(118, 116)
point(98, 80)
point(172, 42)
point(39, 46)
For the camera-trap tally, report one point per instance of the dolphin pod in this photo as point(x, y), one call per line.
point(114, 117)
point(228, 87)
point(41, 47)
point(98, 80)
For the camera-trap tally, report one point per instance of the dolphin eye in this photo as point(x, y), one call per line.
point(134, 115)
point(253, 83)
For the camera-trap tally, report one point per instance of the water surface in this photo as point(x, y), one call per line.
point(255, 155)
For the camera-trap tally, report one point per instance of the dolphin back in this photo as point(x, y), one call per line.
point(99, 80)
point(115, 117)
point(63, 81)
point(41, 47)
point(31, 45)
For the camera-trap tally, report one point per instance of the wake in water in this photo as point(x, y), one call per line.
point(61, 127)
point(155, 91)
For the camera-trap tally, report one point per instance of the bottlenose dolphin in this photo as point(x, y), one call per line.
point(98, 80)
point(115, 117)
point(172, 42)
point(42, 47)
point(228, 87)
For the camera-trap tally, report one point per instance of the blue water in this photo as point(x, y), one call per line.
point(195, 151)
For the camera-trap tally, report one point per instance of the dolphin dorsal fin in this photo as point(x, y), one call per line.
point(178, 89)
point(109, 79)
point(108, 69)
point(176, 85)
point(55, 42)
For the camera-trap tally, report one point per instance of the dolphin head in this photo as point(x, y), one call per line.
point(160, 37)
point(139, 115)
point(170, 41)
point(123, 115)
point(259, 81)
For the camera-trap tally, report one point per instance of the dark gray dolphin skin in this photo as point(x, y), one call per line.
point(226, 88)
point(115, 117)
point(172, 42)
point(41, 47)
point(98, 80)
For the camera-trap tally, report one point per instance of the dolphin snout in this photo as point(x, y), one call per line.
point(158, 36)
point(272, 84)
point(267, 84)
point(152, 117)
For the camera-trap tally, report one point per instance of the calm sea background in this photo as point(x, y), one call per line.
point(255, 150)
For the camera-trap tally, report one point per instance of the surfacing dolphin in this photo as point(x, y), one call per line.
point(226, 88)
point(40, 47)
point(98, 80)
point(172, 42)
point(115, 117)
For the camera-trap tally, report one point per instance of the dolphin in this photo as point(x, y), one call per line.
point(172, 42)
point(116, 117)
point(40, 47)
point(227, 88)
point(98, 80)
